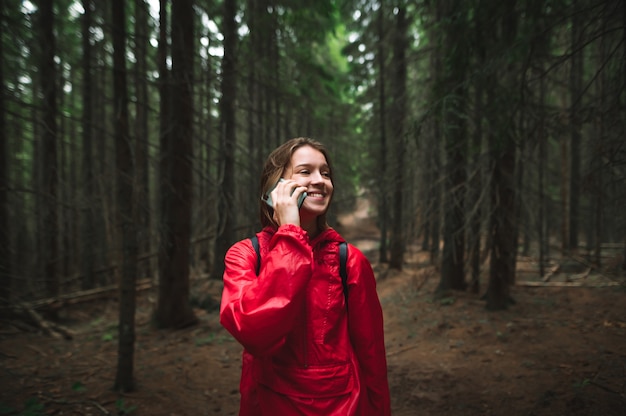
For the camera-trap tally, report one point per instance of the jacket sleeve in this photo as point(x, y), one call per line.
point(260, 310)
point(367, 332)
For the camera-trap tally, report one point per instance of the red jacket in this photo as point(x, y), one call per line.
point(304, 352)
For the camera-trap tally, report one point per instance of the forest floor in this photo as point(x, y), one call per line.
point(556, 351)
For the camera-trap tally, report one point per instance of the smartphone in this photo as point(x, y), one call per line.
point(268, 198)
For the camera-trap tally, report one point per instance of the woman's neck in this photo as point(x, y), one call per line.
point(311, 228)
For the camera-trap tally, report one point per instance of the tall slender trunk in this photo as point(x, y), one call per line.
point(503, 157)
point(227, 141)
point(102, 203)
point(599, 151)
point(453, 80)
point(474, 240)
point(542, 220)
point(88, 233)
point(5, 240)
point(564, 196)
point(173, 309)
point(49, 171)
point(576, 79)
point(397, 237)
point(125, 218)
point(383, 210)
point(141, 133)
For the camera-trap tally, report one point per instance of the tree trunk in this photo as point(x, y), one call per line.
point(541, 219)
point(48, 78)
point(165, 139)
point(502, 150)
point(141, 133)
point(75, 210)
point(253, 91)
point(455, 133)
point(173, 308)
point(88, 231)
point(397, 238)
point(433, 162)
point(564, 197)
point(623, 109)
point(624, 256)
point(125, 219)
point(204, 168)
point(503, 214)
point(599, 150)
point(226, 199)
point(5, 240)
point(576, 79)
point(475, 181)
point(383, 184)
point(102, 203)
point(435, 190)
point(519, 180)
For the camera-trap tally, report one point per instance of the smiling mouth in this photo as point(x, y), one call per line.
point(315, 194)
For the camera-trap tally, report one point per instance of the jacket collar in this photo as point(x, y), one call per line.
point(328, 235)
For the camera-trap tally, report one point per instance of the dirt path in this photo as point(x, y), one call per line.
point(558, 351)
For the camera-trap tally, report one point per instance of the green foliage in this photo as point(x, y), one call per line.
point(6, 410)
point(32, 407)
point(582, 383)
point(123, 409)
point(97, 321)
point(447, 301)
point(212, 339)
point(109, 334)
point(78, 386)
point(208, 340)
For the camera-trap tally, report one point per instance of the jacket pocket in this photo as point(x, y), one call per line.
point(322, 381)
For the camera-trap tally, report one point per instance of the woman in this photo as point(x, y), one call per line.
point(305, 351)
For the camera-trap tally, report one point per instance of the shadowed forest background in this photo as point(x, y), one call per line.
point(479, 152)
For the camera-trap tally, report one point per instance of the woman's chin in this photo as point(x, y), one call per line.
point(313, 210)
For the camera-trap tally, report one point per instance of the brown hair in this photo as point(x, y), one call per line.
point(274, 169)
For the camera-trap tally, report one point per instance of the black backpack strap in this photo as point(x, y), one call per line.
point(343, 259)
point(255, 244)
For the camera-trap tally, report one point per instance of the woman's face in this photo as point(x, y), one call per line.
point(309, 168)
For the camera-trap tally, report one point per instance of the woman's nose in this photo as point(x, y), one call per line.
point(316, 177)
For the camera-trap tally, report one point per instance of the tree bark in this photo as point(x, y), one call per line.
point(576, 79)
point(455, 133)
point(226, 200)
point(103, 203)
point(88, 231)
point(433, 162)
point(503, 213)
point(253, 92)
point(502, 150)
point(49, 133)
point(5, 240)
point(475, 180)
point(383, 183)
point(142, 144)
point(564, 197)
point(541, 219)
point(125, 218)
point(397, 237)
point(599, 149)
point(173, 308)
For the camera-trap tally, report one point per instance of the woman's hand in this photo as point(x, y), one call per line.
point(285, 200)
